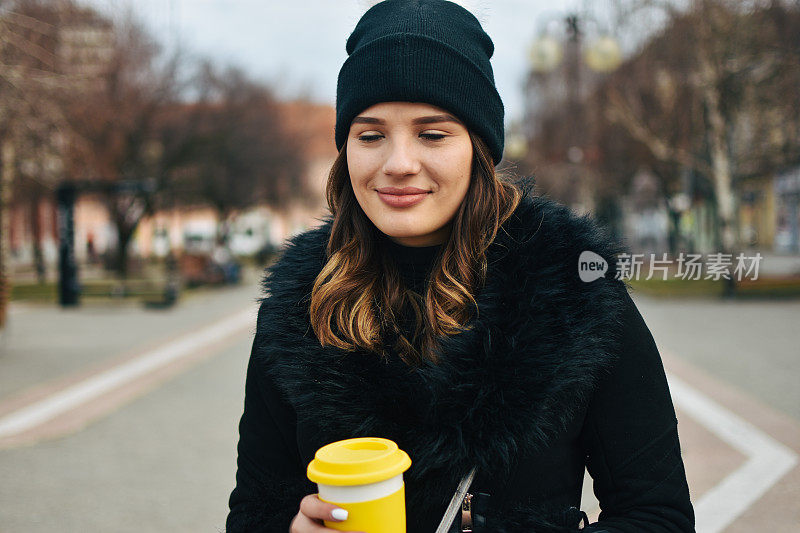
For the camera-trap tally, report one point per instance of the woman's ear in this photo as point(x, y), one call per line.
point(479, 8)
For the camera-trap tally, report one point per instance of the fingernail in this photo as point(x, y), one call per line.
point(339, 514)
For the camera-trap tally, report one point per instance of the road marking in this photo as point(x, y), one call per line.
point(83, 392)
point(767, 459)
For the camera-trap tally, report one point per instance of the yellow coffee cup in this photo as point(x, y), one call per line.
point(364, 476)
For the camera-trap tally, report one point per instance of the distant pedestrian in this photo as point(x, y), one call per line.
point(91, 251)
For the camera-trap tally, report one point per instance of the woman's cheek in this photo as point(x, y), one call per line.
point(360, 165)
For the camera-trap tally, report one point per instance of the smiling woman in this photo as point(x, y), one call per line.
point(410, 172)
point(409, 166)
point(440, 306)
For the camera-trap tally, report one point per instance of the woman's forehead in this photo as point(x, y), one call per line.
point(419, 112)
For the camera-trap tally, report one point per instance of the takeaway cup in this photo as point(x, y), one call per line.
point(364, 476)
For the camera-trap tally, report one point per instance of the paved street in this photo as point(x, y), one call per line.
point(157, 452)
point(162, 461)
point(754, 345)
point(741, 451)
point(95, 332)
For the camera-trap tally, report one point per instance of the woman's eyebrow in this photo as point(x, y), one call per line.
point(420, 120)
point(435, 118)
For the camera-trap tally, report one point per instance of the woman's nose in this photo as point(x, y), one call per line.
point(401, 159)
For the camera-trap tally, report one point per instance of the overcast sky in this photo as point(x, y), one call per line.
point(300, 45)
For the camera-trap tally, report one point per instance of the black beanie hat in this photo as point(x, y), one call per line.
point(431, 51)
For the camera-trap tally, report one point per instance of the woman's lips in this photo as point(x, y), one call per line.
point(404, 200)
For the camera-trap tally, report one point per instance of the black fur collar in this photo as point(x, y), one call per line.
point(507, 386)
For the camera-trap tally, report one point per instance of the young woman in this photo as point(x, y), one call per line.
point(440, 306)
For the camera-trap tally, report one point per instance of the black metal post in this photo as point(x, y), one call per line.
point(68, 287)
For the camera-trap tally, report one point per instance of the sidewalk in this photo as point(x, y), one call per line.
point(154, 454)
point(773, 264)
point(43, 342)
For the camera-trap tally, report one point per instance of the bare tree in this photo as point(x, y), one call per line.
point(713, 93)
point(240, 152)
point(116, 121)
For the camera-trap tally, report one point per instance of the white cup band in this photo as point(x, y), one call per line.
point(360, 493)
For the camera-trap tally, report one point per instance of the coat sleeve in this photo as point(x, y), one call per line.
point(630, 437)
point(270, 481)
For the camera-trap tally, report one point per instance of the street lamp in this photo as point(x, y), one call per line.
point(545, 54)
point(516, 146)
point(602, 53)
point(562, 46)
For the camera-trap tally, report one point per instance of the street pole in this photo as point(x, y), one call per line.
point(68, 287)
point(578, 193)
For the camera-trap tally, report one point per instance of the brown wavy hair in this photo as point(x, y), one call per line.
point(359, 294)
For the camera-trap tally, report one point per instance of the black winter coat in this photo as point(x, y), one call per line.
point(556, 375)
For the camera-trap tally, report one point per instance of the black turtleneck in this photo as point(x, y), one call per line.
point(414, 262)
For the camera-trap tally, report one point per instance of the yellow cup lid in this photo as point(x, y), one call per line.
point(357, 461)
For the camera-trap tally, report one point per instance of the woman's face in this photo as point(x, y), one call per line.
point(397, 145)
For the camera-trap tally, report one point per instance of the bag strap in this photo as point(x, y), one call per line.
point(455, 502)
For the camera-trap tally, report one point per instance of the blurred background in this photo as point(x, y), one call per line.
point(156, 154)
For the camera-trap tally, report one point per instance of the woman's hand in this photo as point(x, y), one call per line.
point(312, 512)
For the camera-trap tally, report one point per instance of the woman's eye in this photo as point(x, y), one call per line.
point(428, 136)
